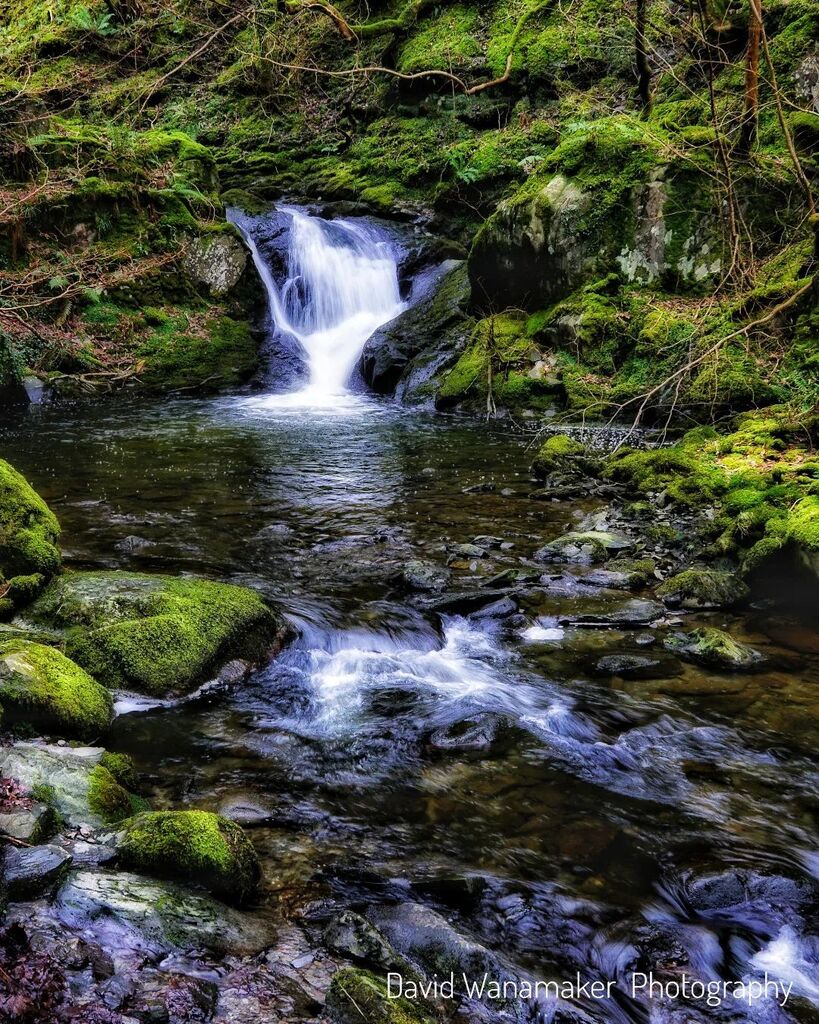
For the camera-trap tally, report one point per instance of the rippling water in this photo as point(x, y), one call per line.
point(608, 822)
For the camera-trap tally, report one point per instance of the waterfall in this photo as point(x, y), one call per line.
point(338, 285)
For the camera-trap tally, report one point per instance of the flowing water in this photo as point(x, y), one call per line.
point(610, 825)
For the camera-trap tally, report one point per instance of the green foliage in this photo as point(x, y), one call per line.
point(28, 528)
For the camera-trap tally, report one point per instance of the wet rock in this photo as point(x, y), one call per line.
point(703, 588)
point(560, 459)
point(499, 609)
point(247, 812)
point(425, 576)
point(486, 541)
point(30, 872)
point(216, 261)
point(159, 997)
point(636, 612)
point(254, 993)
point(483, 488)
point(148, 916)
point(585, 547)
point(464, 602)
point(636, 666)
point(356, 995)
point(622, 574)
point(354, 936)
point(468, 735)
point(132, 545)
point(772, 898)
point(714, 648)
point(194, 846)
point(428, 939)
point(466, 551)
point(437, 317)
point(79, 785)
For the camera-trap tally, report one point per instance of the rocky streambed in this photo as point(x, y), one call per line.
point(437, 715)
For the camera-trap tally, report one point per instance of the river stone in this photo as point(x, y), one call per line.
point(74, 776)
point(29, 824)
point(357, 995)
point(354, 936)
point(636, 612)
point(636, 666)
point(29, 872)
point(584, 547)
point(714, 648)
point(703, 588)
point(469, 735)
point(155, 917)
point(426, 576)
point(163, 997)
point(428, 939)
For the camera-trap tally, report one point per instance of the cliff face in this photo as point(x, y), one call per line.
point(628, 208)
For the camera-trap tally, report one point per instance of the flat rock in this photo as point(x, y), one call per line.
point(29, 824)
point(636, 612)
point(584, 548)
point(32, 871)
point(66, 770)
point(636, 666)
point(425, 576)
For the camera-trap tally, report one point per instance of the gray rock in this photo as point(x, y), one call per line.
point(636, 666)
point(216, 261)
point(471, 734)
point(66, 770)
point(499, 609)
point(425, 576)
point(137, 914)
point(30, 824)
point(161, 997)
point(467, 551)
point(32, 871)
point(354, 936)
point(583, 547)
point(636, 612)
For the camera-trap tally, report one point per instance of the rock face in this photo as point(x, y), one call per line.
point(154, 634)
point(41, 689)
point(427, 335)
point(32, 872)
point(74, 780)
point(194, 846)
point(217, 261)
point(28, 539)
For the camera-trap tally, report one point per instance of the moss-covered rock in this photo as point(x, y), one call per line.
point(558, 452)
point(356, 994)
point(155, 634)
point(714, 648)
point(41, 690)
point(28, 538)
point(703, 588)
point(584, 547)
point(194, 846)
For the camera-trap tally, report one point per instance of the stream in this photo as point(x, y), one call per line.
point(457, 749)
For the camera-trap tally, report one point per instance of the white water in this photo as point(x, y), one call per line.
point(341, 285)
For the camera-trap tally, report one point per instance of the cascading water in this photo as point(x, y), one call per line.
point(340, 285)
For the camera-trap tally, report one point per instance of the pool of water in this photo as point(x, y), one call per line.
point(596, 828)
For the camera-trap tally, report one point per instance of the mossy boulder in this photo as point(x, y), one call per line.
point(356, 994)
point(193, 846)
point(559, 452)
point(153, 634)
point(28, 539)
point(714, 648)
point(41, 690)
point(703, 588)
point(583, 547)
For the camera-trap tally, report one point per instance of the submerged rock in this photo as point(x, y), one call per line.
point(43, 691)
point(703, 588)
point(561, 453)
point(636, 666)
point(73, 780)
point(154, 634)
point(194, 846)
point(714, 648)
point(476, 734)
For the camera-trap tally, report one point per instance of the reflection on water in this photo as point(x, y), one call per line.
point(668, 819)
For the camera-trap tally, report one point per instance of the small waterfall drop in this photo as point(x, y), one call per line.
point(340, 284)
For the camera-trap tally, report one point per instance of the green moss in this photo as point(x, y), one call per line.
point(222, 353)
point(447, 40)
point(195, 846)
point(41, 689)
point(121, 767)
point(28, 528)
point(714, 648)
point(156, 634)
point(554, 453)
point(108, 798)
point(703, 588)
point(359, 995)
